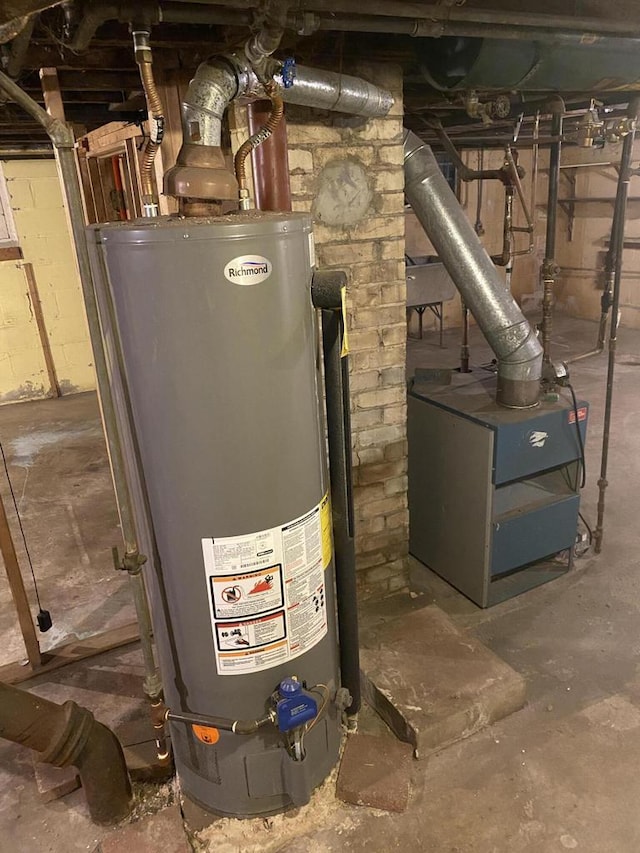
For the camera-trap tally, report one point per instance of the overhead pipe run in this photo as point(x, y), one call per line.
point(67, 735)
point(506, 329)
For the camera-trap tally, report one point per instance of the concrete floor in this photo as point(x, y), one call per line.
point(559, 775)
point(60, 475)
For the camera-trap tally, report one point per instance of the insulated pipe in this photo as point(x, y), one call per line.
point(62, 138)
point(506, 329)
point(69, 735)
point(336, 374)
point(621, 198)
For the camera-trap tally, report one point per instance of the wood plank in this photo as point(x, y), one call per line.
point(11, 253)
point(51, 91)
point(71, 652)
point(18, 592)
point(38, 313)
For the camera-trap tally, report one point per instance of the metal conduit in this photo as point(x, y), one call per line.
point(506, 329)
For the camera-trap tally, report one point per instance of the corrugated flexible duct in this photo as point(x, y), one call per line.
point(505, 327)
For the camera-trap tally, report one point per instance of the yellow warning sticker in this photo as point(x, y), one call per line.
point(345, 334)
point(326, 528)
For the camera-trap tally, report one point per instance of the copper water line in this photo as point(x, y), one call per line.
point(144, 60)
point(277, 111)
point(270, 161)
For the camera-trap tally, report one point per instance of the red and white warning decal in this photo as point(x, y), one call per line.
point(267, 593)
point(236, 596)
point(582, 415)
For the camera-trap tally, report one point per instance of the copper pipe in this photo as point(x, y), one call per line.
point(270, 161)
point(155, 111)
point(277, 111)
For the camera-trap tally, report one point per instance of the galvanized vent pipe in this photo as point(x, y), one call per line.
point(200, 171)
point(505, 327)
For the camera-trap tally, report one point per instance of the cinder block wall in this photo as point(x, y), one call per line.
point(36, 202)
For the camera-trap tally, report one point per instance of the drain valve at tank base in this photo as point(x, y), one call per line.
point(293, 709)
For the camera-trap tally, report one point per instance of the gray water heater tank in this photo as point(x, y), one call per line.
point(213, 348)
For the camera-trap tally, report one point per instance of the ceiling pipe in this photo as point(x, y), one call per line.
point(67, 735)
point(465, 14)
point(505, 327)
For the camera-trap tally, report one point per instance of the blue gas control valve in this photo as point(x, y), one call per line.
point(295, 707)
point(288, 72)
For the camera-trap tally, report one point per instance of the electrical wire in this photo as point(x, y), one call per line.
point(24, 538)
point(583, 463)
point(586, 524)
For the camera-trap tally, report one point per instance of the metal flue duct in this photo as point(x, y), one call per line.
point(506, 329)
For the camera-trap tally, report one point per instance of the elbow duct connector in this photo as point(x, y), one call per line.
point(506, 329)
point(200, 171)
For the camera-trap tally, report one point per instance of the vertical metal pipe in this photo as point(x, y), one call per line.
point(336, 372)
point(61, 136)
point(549, 267)
point(623, 191)
point(464, 345)
point(270, 161)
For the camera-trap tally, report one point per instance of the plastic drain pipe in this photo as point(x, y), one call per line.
point(70, 735)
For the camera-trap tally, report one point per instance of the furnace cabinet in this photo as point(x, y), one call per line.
point(493, 492)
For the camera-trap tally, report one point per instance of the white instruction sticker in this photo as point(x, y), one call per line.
point(266, 591)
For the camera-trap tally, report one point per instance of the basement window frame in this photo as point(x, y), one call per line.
point(9, 241)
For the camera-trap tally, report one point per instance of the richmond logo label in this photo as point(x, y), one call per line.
point(248, 269)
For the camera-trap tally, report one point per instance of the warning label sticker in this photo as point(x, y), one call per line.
point(266, 592)
point(247, 594)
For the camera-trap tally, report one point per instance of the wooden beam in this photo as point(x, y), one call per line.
point(18, 592)
point(38, 313)
point(51, 91)
point(71, 652)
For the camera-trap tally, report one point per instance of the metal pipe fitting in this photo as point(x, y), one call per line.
point(506, 329)
point(155, 111)
point(69, 735)
point(200, 171)
point(237, 727)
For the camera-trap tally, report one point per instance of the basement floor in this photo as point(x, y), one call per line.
point(561, 774)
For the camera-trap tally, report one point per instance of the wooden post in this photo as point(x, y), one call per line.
point(42, 329)
point(18, 592)
point(51, 91)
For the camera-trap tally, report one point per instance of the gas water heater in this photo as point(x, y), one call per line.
point(212, 340)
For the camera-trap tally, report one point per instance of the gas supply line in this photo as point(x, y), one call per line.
point(144, 59)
